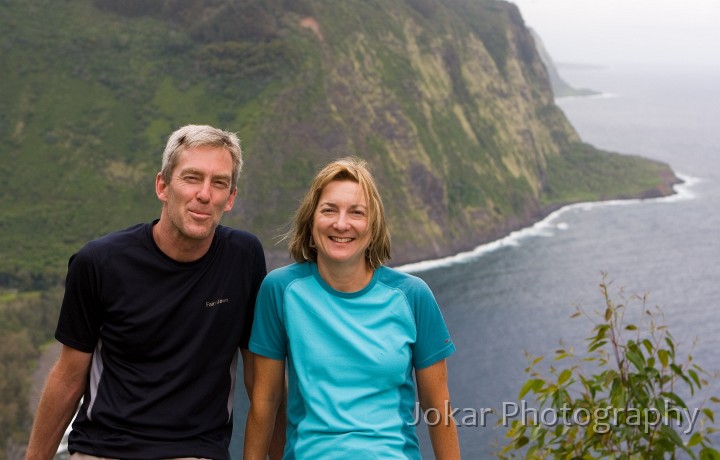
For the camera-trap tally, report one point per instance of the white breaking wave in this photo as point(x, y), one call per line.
point(547, 227)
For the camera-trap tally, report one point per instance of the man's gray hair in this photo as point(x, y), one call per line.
point(192, 136)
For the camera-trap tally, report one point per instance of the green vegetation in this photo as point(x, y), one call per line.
point(624, 395)
point(93, 88)
point(91, 97)
point(27, 320)
point(584, 174)
point(447, 100)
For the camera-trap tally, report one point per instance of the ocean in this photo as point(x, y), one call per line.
point(516, 295)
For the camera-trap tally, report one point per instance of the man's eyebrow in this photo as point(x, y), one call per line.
point(191, 171)
point(202, 173)
point(221, 176)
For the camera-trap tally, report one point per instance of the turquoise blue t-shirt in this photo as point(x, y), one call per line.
point(350, 359)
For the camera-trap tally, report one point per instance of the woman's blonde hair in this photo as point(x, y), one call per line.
point(355, 170)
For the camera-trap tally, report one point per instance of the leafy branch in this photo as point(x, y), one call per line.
point(623, 393)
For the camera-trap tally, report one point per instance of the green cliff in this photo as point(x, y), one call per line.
point(448, 100)
point(560, 87)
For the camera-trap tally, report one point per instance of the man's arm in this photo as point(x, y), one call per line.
point(265, 427)
point(433, 393)
point(64, 387)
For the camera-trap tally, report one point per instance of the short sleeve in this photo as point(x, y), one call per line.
point(433, 338)
point(81, 317)
point(268, 336)
point(257, 274)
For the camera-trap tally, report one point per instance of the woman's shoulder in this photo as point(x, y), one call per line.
point(287, 274)
point(404, 281)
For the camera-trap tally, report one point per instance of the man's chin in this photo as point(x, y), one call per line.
point(200, 232)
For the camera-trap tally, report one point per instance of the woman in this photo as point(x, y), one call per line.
point(352, 332)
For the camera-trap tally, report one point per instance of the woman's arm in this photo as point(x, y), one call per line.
point(433, 393)
point(268, 394)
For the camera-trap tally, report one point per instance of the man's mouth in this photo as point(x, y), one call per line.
point(199, 214)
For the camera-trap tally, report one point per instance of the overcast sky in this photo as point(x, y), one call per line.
point(605, 32)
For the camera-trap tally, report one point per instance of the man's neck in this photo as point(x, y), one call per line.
point(176, 246)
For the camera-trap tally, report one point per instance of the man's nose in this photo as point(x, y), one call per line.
point(204, 192)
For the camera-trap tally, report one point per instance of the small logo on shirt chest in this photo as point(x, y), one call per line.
point(215, 303)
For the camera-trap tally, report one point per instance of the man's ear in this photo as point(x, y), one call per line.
point(160, 187)
point(231, 200)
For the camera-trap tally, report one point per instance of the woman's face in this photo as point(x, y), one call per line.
point(340, 225)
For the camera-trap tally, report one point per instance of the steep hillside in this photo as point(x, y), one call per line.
point(448, 100)
point(560, 87)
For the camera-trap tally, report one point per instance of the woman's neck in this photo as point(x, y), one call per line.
point(345, 278)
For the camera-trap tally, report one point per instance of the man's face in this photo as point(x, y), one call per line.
point(199, 193)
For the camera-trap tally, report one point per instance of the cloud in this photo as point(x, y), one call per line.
point(616, 31)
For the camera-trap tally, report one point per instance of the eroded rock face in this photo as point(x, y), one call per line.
point(448, 101)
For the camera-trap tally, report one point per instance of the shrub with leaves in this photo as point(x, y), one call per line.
point(622, 399)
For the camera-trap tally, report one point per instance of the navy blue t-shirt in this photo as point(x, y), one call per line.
point(165, 338)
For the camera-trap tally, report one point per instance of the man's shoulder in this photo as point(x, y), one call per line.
point(238, 237)
point(117, 240)
point(240, 251)
point(131, 232)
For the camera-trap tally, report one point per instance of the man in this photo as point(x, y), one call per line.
point(153, 317)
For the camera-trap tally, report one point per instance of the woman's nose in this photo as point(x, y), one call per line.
point(342, 222)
